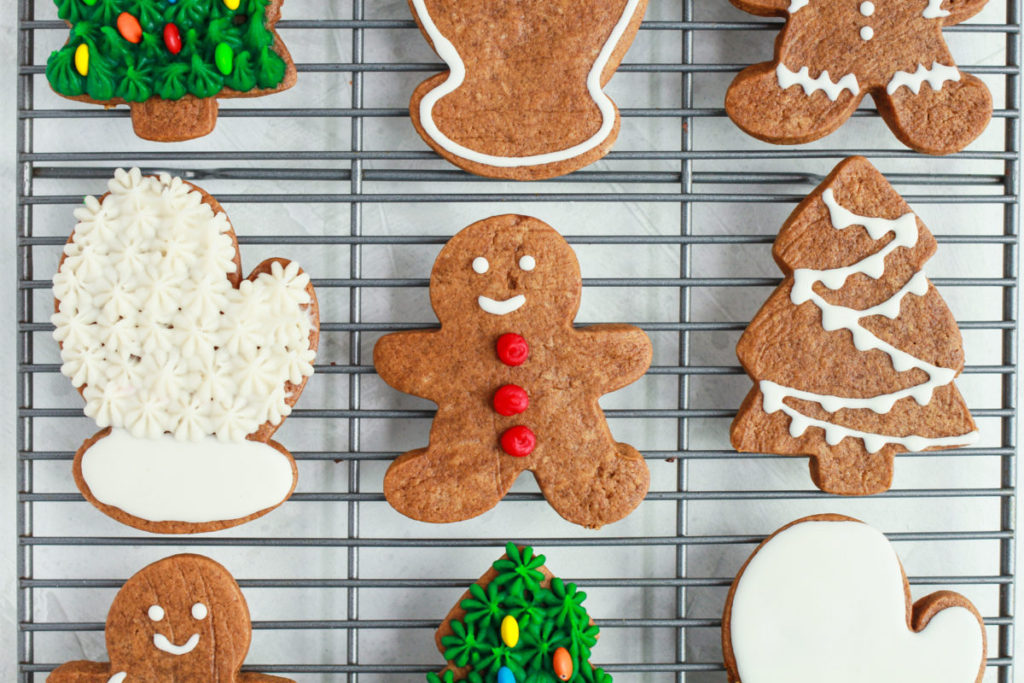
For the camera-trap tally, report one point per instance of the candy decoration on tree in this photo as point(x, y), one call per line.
point(555, 632)
point(170, 61)
point(854, 355)
point(509, 630)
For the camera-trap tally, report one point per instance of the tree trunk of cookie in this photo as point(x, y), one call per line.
point(174, 120)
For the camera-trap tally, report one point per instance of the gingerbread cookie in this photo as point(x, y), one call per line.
point(516, 385)
point(522, 98)
point(170, 60)
point(187, 368)
point(180, 619)
point(854, 355)
point(825, 598)
point(518, 624)
point(833, 52)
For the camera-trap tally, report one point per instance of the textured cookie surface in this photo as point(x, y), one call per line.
point(516, 385)
point(854, 355)
point(826, 599)
point(534, 621)
point(180, 619)
point(523, 95)
point(833, 52)
point(186, 367)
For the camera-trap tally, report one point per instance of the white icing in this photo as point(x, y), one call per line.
point(795, 5)
point(867, 8)
point(153, 329)
point(161, 642)
point(833, 317)
point(867, 33)
point(936, 76)
point(810, 85)
point(824, 601)
point(457, 74)
point(156, 613)
point(480, 265)
point(527, 263)
point(119, 677)
point(199, 611)
point(165, 480)
point(496, 307)
point(934, 10)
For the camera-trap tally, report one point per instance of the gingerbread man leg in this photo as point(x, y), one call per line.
point(761, 107)
point(939, 121)
point(850, 470)
point(81, 672)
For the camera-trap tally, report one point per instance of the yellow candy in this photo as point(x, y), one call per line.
point(510, 630)
point(232, 4)
point(82, 59)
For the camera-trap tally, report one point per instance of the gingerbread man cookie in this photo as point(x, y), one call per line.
point(516, 385)
point(825, 598)
point(187, 367)
point(523, 95)
point(854, 355)
point(180, 619)
point(833, 52)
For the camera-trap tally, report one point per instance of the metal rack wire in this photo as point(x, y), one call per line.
point(361, 171)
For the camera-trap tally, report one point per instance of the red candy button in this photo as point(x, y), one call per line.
point(518, 441)
point(511, 399)
point(512, 349)
point(172, 39)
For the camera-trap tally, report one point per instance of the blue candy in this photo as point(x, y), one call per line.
point(505, 675)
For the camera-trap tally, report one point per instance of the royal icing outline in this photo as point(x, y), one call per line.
point(936, 76)
point(833, 317)
point(824, 82)
point(457, 74)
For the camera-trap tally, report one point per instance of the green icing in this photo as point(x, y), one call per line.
point(138, 71)
point(548, 617)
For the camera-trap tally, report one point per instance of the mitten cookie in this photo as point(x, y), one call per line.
point(825, 599)
point(854, 355)
point(516, 386)
point(518, 624)
point(187, 367)
point(180, 619)
point(832, 52)
point(170, 60)
point(523, 97)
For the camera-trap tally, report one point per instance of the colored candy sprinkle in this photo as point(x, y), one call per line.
point(510, 630)
point(224, 58)
point(129, 28)
point(232, 4)
point(172, 39)
point(82, 59)
point(562, 664)
point(505, 675)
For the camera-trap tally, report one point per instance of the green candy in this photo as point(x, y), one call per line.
point(224, 58)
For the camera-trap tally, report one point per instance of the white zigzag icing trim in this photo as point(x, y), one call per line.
point(810, 85)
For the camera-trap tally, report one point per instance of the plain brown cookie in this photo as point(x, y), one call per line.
point(786, 343)
point(180, 619)
point(586, 476)
point(518, 82)
point(849, 611)
point(262, 434)
point(833, 41)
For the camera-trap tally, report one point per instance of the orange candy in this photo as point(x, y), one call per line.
point(562, 664)
point(129, 27)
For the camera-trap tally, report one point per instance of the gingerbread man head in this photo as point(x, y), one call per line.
point(503, 271)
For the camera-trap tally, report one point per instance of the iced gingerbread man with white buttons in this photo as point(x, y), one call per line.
point(516, 386)
point(833, 52)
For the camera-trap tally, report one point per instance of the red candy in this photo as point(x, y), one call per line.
point(511, 399)
point(172, 39)
point(129, 28)
point(518, 441)
point(512, 349)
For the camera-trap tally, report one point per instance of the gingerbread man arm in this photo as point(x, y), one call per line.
point(961, 10)
point(615, 355)
point(764, 8)
point(80, 672)
point(408, 361)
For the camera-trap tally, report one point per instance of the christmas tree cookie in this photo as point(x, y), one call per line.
point(518, 624)
point(170, 60)
point(853, 356)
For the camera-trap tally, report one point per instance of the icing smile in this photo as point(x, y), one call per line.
point(161, 643)
point(496, 307)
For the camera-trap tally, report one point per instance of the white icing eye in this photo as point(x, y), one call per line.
point(867, 8)
point(527, 262)
point(199, 611)
point(480, 265)
point(156, 613)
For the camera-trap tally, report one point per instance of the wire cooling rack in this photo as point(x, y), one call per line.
point(673, 230)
